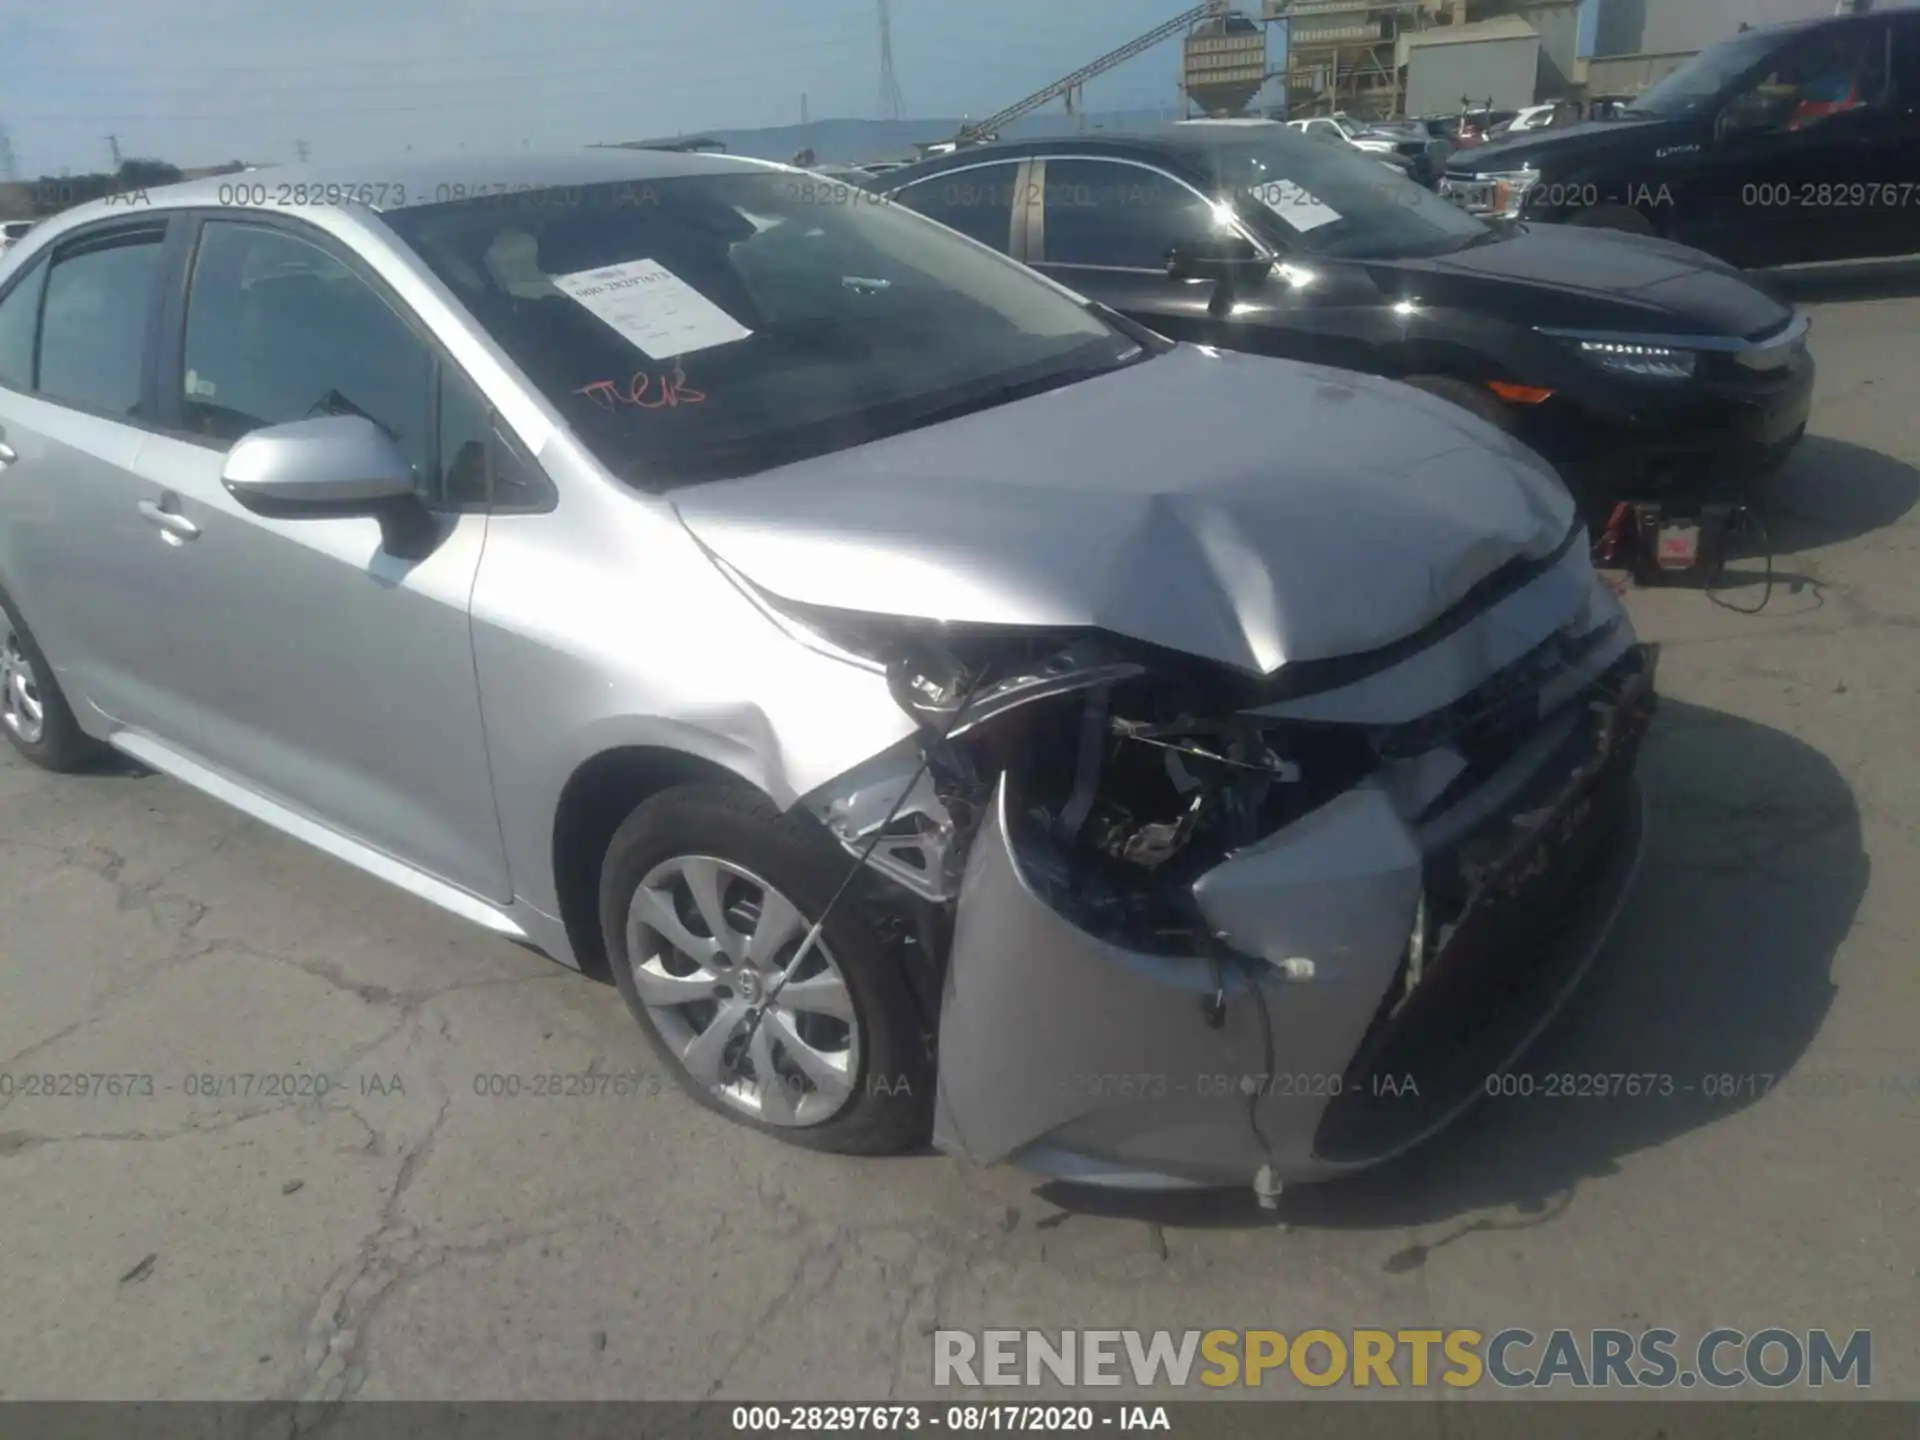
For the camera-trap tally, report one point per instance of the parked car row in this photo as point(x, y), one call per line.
point(942, 703)
point(1645, 371)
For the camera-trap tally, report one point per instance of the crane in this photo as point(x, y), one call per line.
point(1067, 84)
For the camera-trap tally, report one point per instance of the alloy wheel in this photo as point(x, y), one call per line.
point(21, 709)
point(712, 947)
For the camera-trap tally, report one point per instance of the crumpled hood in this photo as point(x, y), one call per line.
point(1250, 511)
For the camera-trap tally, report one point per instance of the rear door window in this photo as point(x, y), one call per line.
point(94, 320)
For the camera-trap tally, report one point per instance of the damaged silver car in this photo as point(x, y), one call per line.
point(942, 706)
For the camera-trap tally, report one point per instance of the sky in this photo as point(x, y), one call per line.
point(199, 82)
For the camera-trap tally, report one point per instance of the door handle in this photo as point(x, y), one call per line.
point(171, 521)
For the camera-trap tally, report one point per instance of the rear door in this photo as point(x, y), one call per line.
point(1105, 227)
point(92, 552)
point(335, 678)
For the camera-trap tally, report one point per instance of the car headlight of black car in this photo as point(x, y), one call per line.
point(1498, 193)
point(1637, 358)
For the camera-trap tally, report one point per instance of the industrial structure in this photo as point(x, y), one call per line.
point(1224, 66)
point(1342, 55)
point(1494, 62)
point(1377, 58)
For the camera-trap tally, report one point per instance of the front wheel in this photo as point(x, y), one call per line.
point(707, 897)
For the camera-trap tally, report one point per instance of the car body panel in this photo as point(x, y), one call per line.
point(1182, 526)
point(586, 621)
point(1081, 1059)
point(84, 565)
point(372, 719)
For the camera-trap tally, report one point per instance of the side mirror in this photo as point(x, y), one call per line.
point(333, 465)
point(1221, 257)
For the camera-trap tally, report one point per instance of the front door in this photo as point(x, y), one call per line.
point(333, 676)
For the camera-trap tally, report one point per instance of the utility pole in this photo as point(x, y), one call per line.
point(803, 110)
point(113, 148)
point(892, 106)
point(300, 151)
point(9, 167)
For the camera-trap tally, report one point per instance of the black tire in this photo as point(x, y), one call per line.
point(61, 746)
point(1468, 396)
point(1612, 217)
point(890, 1109)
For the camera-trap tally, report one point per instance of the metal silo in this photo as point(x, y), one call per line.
point(1224, 64)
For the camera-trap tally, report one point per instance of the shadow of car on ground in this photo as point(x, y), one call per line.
point(1830, 491)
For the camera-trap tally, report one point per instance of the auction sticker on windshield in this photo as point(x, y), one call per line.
point(1299, 207)
point(652, 308)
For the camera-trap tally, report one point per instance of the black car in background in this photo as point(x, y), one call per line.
point(1787, 144)
point(1646, 371)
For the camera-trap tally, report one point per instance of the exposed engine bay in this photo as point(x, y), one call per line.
point(1131, 776)
point(1130, 885)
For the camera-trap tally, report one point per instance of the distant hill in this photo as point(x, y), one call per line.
point(854, 141)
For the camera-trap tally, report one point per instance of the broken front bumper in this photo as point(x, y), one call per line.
point(1324, 1036)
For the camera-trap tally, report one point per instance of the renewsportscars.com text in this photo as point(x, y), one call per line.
point(1721, 1359)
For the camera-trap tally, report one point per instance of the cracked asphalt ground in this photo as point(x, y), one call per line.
point(405, 1236)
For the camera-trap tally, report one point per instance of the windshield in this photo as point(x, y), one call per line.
point(704, 326)
point(1702, 81)
point(1330, 201)
point(1347, 127)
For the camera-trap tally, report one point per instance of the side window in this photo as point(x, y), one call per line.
point(19, 316)
point(1099, 213)
point(1829, 73)
point(93, 324)
point(464, 444)
point(978, 203)
point(479, 468)
point(278, 329)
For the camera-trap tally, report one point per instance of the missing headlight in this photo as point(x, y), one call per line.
point(1127, 796)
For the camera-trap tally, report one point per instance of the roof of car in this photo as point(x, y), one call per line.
point(392, 184)
point(1186, 145)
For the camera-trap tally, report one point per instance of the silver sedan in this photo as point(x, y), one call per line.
point(944, 708)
